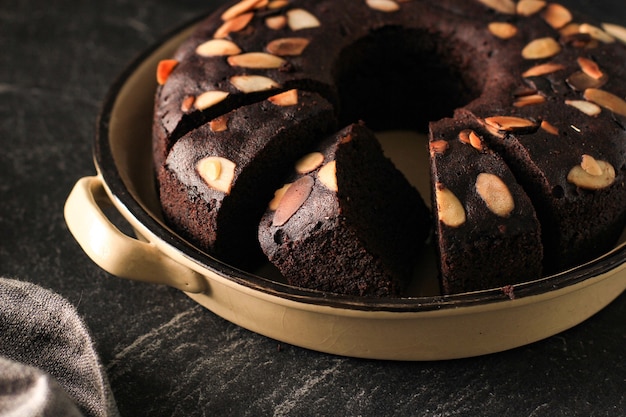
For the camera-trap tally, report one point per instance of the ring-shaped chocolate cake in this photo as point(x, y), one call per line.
point(264, 139)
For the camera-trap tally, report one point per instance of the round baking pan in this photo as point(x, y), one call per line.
point(421, 326)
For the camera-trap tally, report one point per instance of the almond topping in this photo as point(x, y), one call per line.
point(239, 8)
point(580, 81)
point(287, 46)
point(164, 69)
point(287, 98)
point(450, 211)
point(328, 175)
point(596, 33)
point(495, 194)
point(529, 100)
point(556, 15)
point(607, 100)
point(298, 19)
point(309, 162)
point(541, 48)
point(502, 6)
point(219, 124)
point(383, 5)
point(590, 165)
point(438, 147)
point(510, 123)
point(590, 68)
point(542, 69)
point(570, 29)
point(550, 128)
point(292, 200)
point(278, 195)
point(594, 175)
point(187, 103)
point(586, 107)
point(616, 31)
point(217, 47)
point(529, 7)
point(233, 25)
point(277, 4)
point(217, 172)
point(276, 22)
point(502, 30)
point(259, 60)
point(209, 99)
point(253, 83)
point(470, 137)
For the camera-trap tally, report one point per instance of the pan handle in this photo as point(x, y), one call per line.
point(114, 251)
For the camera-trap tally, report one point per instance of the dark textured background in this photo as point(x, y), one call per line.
point(167, 356)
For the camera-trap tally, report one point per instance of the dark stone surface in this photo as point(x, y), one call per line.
point(164, 354)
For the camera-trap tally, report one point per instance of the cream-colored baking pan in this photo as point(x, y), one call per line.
point(422, 326)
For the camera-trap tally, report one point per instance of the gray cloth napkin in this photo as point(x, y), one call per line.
point(48, 364)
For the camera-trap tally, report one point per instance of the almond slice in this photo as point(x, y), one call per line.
point(580, 177)
point(292, 199)
point(580, 81)
point(586, 107)
point(217, 172)
point(219, 124)
point(596, 33)
point(502, 6)
point(287, 98)
point(502, 30)
point(438, 147)
point(617, 31)
point(470, 137)
point(549, 127)
point(287, 46)
point(328, 176)
point(277, 4)
point(299, 19)
point(495, 193)
point(258, 60)
point(542, 69)
point(529, 7)
point(590, 68)
point(276, 22)
point(278, 195)
point(529, 100)
point(541, 48)
point(217, 47)
point(253, 83)
point(164, 69)
point(590, 165)
point(309, 162)
point(556, 15)
point(233, 25)
point(209, 99)
point(383, 5)
point(607, 100)
point(187, 103)
point(450, 211)
point(239, 8)
point(510, 123)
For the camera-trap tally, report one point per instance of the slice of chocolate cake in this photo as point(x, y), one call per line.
point(347, 221)
point(487, 233)
point(218, 178)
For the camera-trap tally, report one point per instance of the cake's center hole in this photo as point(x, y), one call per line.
point(402, 79)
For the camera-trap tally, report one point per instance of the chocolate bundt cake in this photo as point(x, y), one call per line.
point(218, 178)
point(496, 219)
point(326, 220)
point(539, 88)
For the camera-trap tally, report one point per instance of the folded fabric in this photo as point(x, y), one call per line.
point(48, 365)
